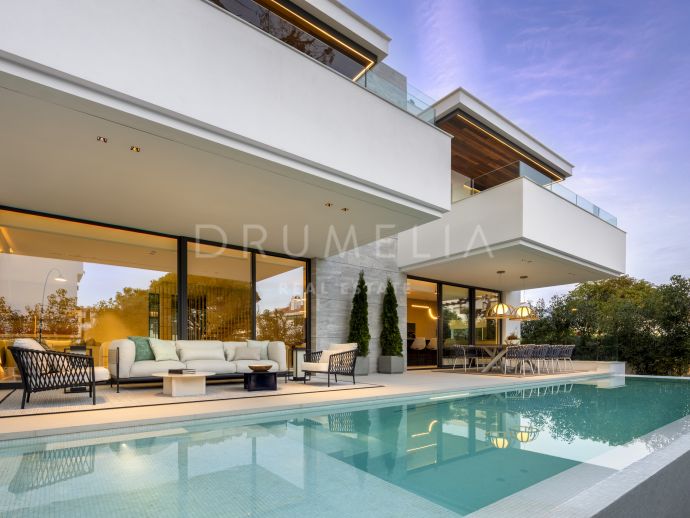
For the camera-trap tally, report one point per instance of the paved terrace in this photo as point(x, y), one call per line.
point(146, 406)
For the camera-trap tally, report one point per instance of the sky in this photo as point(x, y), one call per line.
point(604, 84)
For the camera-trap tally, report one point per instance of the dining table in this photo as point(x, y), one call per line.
point(495, 351)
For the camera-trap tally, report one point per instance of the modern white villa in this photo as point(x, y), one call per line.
point(206, 180)
point(274, 130)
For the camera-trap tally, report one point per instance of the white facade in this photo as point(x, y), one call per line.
point(235, 129)
point(521, 228)
point(229, 98)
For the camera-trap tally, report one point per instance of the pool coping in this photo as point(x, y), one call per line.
point(652, 485)
point(278, 410)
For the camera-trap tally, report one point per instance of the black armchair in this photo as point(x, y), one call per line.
point(51, 370)
point(342, 363)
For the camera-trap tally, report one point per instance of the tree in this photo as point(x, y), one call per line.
point(391, 341)
point(623, 319)
point(275, 325)
point(8, 318)
point(359, 318)
point(61, 314)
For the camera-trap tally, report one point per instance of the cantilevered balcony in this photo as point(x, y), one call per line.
point(520, 226)
point(232, 122)
point(464, 187)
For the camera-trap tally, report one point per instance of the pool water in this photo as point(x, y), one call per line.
point(443, 456)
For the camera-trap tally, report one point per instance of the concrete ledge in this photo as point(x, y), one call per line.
point(656, 485)
point(612, 368)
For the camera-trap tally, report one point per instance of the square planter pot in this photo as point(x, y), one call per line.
point(362, 366)
point(391, 364)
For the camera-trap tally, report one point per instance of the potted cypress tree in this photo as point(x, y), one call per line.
point(391, 358)
point(359, 326)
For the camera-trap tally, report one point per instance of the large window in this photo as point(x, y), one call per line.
point(486, 329)
point(457, 316)
point(70, 284)
point(281, 291)
point(455, 320)
point(422, 324)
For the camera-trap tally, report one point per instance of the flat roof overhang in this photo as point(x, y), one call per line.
point(52, 163)
point(542, 266)
point(484, 140)
point(518, 227)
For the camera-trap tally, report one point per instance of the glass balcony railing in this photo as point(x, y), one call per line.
point(392, 86)
point(328, 49)
point(463, 187)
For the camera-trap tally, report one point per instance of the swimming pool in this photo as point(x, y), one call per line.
point(444, 455)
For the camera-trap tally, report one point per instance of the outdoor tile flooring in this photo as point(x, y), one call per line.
point(54, 401)
point(293, 395)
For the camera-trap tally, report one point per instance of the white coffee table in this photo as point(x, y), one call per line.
point(184, 384)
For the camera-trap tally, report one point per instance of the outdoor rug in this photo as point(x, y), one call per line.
point(56, 401)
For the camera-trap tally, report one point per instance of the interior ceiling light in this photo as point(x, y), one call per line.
point(420, 306)
point(500, 310)
point(102, 139)
point(525, 311)
point(328, 204)
point(136, 149)
point(345, 209)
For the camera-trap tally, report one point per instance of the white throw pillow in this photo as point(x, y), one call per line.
point(210, 351)
point(341, 348)
point(163, 350)
point(325, 355)
point(230, 347)
point(247, 353)
point(262, 345)
point(418, 344)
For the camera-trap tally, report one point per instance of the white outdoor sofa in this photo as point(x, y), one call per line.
point(202, 355)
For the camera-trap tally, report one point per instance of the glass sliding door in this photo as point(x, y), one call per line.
point(75, 285)
point(219, 293)
point(422, 324)
point(487, 330)
point(281, 294)
point(455, 321)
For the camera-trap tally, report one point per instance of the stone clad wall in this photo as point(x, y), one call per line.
point(334, 280)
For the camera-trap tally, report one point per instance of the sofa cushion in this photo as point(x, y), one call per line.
point(262, 345)
point(243, 365)
point(326, 356)
point(247, 353)
point(229, 348)
point(315, 367)
point(217, 366)
point(418, 344)
point(341, 348)
point(101, 374)
point(148, 367)
point(196, 350)
point(163, 350)
point(27, 343)
point(142, 348)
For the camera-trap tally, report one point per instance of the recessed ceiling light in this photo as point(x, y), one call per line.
point(328, 204)
point(136, 149)
point(345, 209)
point(102, 139)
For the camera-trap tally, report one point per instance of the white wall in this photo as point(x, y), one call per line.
point(549, 219)
point(500, 227)
point(198, 64)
